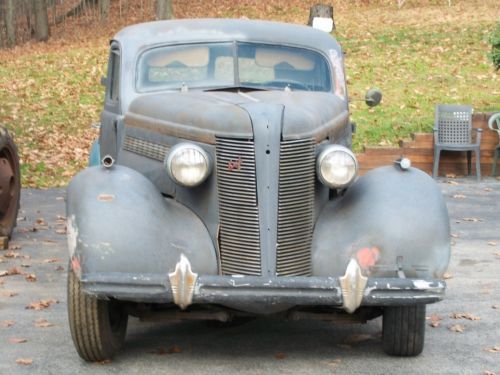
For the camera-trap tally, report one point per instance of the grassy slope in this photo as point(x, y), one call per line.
point(418, 56)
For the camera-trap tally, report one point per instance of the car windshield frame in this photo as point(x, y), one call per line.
point(233, 65)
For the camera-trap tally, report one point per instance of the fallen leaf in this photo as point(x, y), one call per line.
point(492, 243)
point(334, 362)
point(43, 323)
point(14, 246)
point(464, 316)
point(434, 320)
point(16, 340)
point(12, 254)
point(10, 272)
point(447, 276)
point(8, 323)
point(280, 356)
point(8, 293)
point(452, 182)
point(172, 350)
point(31, 277)
point(51, 260)
point(457, 328)
point(488, 189)
point(472, 219)
point(496, 307)
point(61, 231)
point(40, 221)
point(459, 196)
point(451, 175)
point(25, 265)
point(353, 339)
point(494, 349)
point(24, 361)
point(454, 235)
point(42, 304)
point(102, 363)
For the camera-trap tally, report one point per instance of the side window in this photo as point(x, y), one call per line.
point(114, 75)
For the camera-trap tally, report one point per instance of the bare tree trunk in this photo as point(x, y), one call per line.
point(42, 30)
point(164, 9)
point(103, 10)
point(10, 22)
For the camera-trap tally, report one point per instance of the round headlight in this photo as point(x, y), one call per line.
point(188, 164)
point(337, 166)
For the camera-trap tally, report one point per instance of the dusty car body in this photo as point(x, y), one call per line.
point(227, 188)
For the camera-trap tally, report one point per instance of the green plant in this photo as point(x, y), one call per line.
point(494, 39)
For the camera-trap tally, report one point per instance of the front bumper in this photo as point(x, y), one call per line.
point(294, 291)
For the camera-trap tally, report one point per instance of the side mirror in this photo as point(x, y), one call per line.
point(373, 97)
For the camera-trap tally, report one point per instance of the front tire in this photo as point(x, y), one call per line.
point(98, 327)
point(10, 183)
point(403, 330)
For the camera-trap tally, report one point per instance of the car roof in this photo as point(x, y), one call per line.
point(141, 35)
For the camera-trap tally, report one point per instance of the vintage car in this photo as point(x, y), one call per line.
point(223, 186)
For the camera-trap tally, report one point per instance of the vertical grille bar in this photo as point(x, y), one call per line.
point(295, 208)
point(238, 211)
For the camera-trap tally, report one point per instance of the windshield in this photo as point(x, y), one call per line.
point(226, 65)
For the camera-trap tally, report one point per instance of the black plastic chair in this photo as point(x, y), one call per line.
point(494, 124)
point(453, 132)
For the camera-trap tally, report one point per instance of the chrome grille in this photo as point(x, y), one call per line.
point(238, 211)
point(145, 148)
point(295, 208)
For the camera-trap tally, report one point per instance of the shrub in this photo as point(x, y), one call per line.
point(495, 46)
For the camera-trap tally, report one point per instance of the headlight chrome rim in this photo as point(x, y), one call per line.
point(327, 151)
point(175, 152)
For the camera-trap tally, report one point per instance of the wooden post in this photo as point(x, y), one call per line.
point(321, 10)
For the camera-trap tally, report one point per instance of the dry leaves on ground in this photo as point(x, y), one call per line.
point(10, 272)
point(494, 349)
point(492, 243)
point(12, 254)
point(51, 260)
point(17, 340)
point(172, 350)
point(334, 362)
point(459, 196)
point(42, 304)
point(354, 339)
point(472, 219)
point(8, 293)
point(447, 276)
point(30, 278)
point(457, 328)
point(434, 320)
point(464, 316)
point(43, 323)
point(24, 361)
point(280, 356)
point(7, 323)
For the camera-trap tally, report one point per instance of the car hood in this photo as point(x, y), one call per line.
point(202, 116)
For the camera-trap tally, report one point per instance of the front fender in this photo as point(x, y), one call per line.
point(119, 223)
point(389, 219)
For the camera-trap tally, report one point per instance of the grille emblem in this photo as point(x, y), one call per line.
point(234, 164)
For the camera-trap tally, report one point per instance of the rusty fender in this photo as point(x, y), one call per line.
point(121, 228)
point(394, 223)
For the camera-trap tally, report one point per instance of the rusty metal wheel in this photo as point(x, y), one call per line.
point(10, 183)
